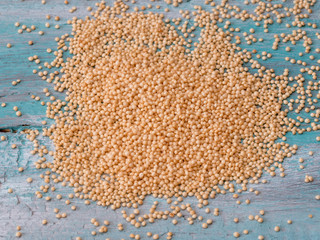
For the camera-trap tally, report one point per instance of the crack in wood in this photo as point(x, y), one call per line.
point(32, 212)
point(18, 200)
point(13, 129)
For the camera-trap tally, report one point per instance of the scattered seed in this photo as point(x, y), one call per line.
point(276, 228)
point(236, 234)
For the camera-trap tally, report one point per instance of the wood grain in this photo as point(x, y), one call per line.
point(281, 198)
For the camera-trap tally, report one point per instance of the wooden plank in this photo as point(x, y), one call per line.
point(282, 198)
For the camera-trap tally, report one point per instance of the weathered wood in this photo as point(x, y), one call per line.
point(281, 198)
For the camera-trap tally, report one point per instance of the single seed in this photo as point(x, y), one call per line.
point(276, 228)
point(236, 234)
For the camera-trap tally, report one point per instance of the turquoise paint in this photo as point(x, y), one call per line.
point(281, 198)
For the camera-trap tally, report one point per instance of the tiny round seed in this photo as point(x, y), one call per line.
point(276, 228)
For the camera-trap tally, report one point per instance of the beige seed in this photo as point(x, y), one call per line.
point(276, 228)
point(236, 234)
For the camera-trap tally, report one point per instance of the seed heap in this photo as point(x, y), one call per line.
point(150, 111)
point(145, 114)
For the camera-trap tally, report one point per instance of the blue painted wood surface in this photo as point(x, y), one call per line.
point(281, 198)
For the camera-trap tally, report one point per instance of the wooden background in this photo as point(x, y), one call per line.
point(281, 198)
